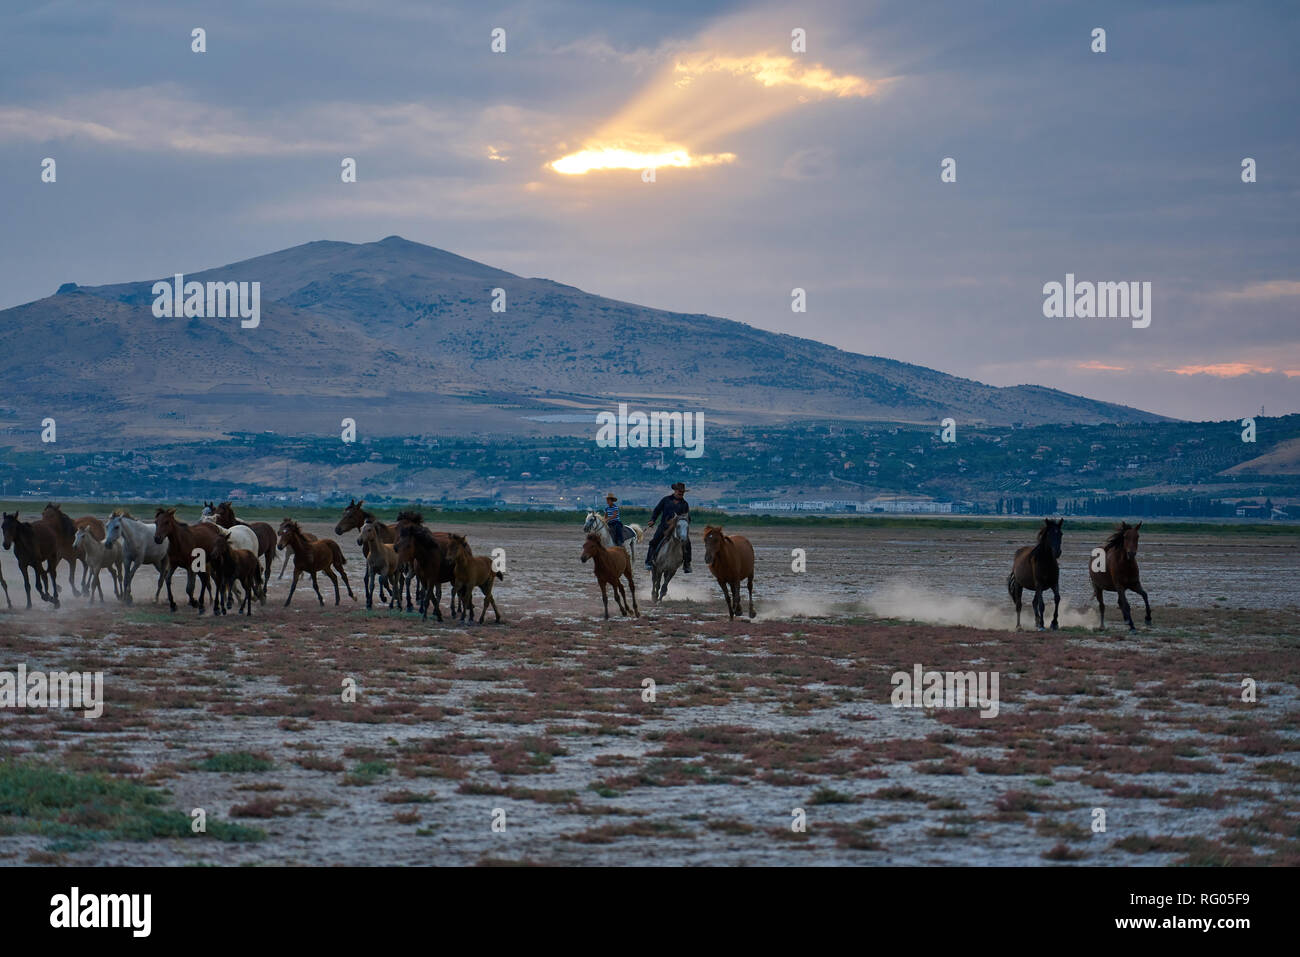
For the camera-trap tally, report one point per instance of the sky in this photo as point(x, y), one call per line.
point(774, 168)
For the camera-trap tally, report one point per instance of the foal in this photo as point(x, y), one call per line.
point(381, 565)
point(97, 557)
point(312, 557)
point(472, 571)
point(609, 564)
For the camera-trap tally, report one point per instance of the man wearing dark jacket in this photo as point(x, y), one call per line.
point(670, 505)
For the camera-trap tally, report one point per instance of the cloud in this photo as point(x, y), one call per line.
point(1093, 364)
point(772, 70)
point(1224, 370)
point(1272, 289)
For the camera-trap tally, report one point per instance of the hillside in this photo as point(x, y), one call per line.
point(401, 337)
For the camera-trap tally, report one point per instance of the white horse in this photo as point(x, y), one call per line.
point(669, 557)
point(138, 549)
point(241, 536)
point(596, 523)
point(97, 557)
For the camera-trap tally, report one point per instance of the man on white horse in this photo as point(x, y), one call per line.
point(670, 505)
point(616, 530)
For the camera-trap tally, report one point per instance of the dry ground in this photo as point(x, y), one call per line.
point(544, 718)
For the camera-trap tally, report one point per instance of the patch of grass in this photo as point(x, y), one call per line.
point(366, 773)
point(1063, 852)
point(237, 762)
point(831, 796)
point(76, 808)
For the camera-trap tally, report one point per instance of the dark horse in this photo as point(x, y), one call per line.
point(1119, 571)
point(1036, 567)
point(225, 516)
point(64, 530)
point(34, 544)
point(418, 549)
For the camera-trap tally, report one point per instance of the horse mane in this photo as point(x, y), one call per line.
point(123, 513)
point(1116, 537)
point(412, 518)
point(292, 524)
point(593, 537)
point(68, 525)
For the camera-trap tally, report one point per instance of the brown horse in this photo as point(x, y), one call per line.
point(232, 565)
point(65, 530)
point(610, 564)
point(473, 571)
point(730, 558)
point(421, 551)
point(313, 557)
point(225, 516)
point(448, 571)
point(1119, 571)
point(1037, 567)
point(34, 545)
point(184, 542)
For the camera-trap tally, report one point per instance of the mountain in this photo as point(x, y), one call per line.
point(401, 337)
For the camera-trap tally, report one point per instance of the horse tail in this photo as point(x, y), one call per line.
point(500, 576)
point(1011, 585)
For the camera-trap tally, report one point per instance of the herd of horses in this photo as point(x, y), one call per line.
point(231, 560)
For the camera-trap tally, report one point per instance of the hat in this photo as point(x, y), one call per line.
point(609, 495)
point(679, 486)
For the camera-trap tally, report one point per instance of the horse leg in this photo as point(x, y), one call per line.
point(1040, 607)
point(726, 596)
point(368, 583)
point(338, 567)
point(315, 584)
point(52, 580)
point(750, 585)
point(292, 586)
point(28, 585)
point(631, 588)
point(170, 600)
point(1101, 605)
point(164, 573)
point(1017, 596)
point(1056, 606)
point(605, 598)
point(1142, 591)
point(489, 597)
point(1124, 607)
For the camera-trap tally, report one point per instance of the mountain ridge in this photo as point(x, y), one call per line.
point(395, 329)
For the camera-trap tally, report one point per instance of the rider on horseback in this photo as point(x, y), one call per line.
point(670, 505)
point(616, 531)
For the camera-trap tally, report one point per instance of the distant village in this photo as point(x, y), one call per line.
point(1173, 468)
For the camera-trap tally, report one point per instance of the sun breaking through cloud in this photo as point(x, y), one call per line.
point(699, 99)
point(584, 161)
